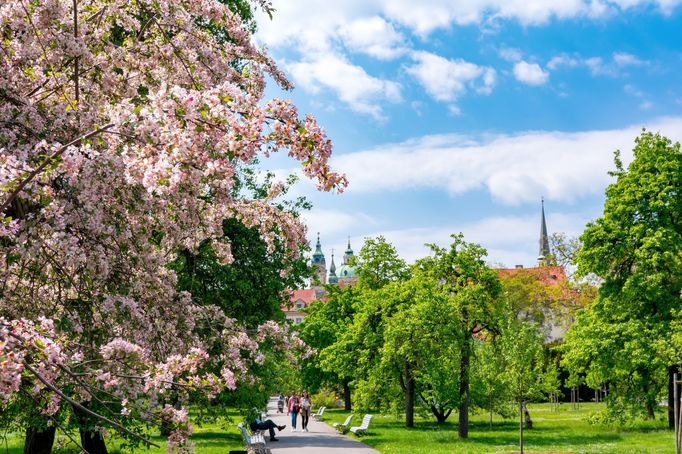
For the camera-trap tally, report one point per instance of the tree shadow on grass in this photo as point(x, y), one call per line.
point(503, 433)
point(543, 441)
point(207, 439)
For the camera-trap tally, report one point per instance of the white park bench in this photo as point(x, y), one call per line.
point(254, 443)
point(318, 416)
point(343, 427)
point(363, 426)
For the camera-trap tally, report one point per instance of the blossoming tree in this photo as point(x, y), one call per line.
point(122, 124)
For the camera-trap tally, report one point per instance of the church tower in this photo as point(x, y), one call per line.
point(544, 252)
point(348, 254)
point(332, 271)
point(346, 272)
point(319, 262)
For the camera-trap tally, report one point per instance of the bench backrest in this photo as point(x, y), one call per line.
point(321, 410)
point(365, 421)
point(245, 434)
point(348, 420)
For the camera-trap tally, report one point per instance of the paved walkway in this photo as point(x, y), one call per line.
point(319, 438)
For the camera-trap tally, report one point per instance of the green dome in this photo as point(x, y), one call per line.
point(345, 271)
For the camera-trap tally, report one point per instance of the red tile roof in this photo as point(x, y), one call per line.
point(306, 295)
point(550, 275)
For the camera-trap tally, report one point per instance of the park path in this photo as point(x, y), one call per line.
point(319, 438)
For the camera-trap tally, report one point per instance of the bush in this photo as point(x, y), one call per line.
point(325, 398)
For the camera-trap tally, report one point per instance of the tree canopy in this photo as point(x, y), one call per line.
point(634, 247)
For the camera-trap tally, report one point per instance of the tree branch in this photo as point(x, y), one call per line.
point(45, 163)
point(84, 409)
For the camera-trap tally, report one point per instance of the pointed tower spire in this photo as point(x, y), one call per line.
point(348, 254)
point(319, 261)
point(544, 251)
point(332, 272)
point(318, 246)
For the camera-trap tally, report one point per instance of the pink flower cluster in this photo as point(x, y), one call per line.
point(181, 429)
point(120, 139)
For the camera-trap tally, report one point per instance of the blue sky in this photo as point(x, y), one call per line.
point(452, 116)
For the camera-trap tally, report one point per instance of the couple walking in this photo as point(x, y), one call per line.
point(299, 405)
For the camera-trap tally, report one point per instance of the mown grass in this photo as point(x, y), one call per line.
point(566, 431)
point(217, 438)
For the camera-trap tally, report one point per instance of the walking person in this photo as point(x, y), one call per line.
point(306, 404)
point(280, 403)
point(293, 408)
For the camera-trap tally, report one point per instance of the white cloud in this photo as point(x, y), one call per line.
point(311, 22)
point(373, 36)
point(530, 73)
point(351, 83)
point(510, 240)
point(510, 54)
point(447, 80)
point(333, 222)
point(563, 60)
point(615, 66)
point(563, 166)
point(625, 59)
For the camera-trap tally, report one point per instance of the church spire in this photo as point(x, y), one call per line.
point(319, 262)
point(544, 251)
point(348, 254)
point(333, 279)
point(318, 247)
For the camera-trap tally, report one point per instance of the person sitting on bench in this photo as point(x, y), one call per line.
point(268, 424)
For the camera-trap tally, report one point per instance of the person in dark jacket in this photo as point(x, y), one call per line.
point(269, 425)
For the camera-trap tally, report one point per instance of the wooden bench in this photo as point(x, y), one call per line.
point(362, 428)
point(318, 416)
point(254, 442)
point(343, 427)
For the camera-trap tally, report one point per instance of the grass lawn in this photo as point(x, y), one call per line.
point(564, 432)
point(217, 438)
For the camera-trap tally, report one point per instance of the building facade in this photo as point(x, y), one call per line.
point(346, 274)
point(341, 276)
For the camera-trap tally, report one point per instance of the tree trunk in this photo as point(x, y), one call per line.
point(347, 404)
point(671, 396)
point(528, 421)
point(463, 430)
point(92, 442)
point(39, 441)
point(440, 413)
point(165, 428)
point(521, 426)
point(650, 414)
point(409, 397)
point(491, 411)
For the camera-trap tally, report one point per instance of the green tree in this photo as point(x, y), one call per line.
point(634, 247)
point(564, 249)
point(522, 346)
point(551, 383)
point(531, 298)
point(333, 365)
point(421, 347)
point(489, 390)
point(378, 264)
point(473, 289)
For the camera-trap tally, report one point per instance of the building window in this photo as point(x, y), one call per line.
point(299, 305)
point(298, 320)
